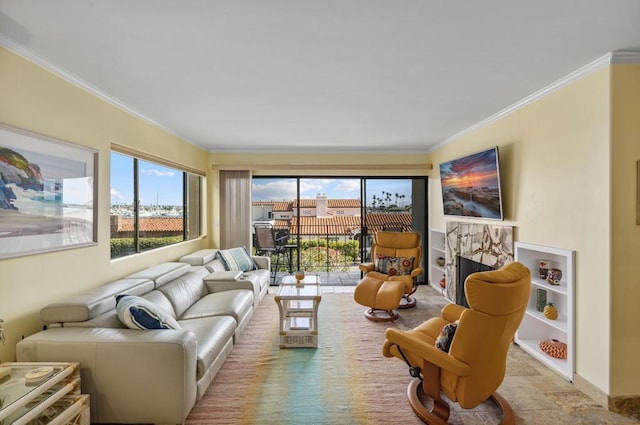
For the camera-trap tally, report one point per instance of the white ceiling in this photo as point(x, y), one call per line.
point(317, 76)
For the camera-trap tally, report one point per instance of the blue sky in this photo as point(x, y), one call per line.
point(157, 184)
point(284, 189)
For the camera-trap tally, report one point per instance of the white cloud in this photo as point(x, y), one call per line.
point(282, 190)
point(156, 172)
point(351, 187)
point(116, 196)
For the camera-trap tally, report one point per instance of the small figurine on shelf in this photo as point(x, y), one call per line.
point(543, 268)
point(554, 276)
point(541, 299)
point(550, 312)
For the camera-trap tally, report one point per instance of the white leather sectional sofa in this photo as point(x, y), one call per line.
point(157, 375)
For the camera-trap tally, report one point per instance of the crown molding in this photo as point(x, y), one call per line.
point(625, 57)
point(612, 58)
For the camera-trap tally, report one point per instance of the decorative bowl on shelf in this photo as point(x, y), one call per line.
point(554, 348)
point(440, 261)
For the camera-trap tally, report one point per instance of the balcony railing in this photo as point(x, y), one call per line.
point(332, 252)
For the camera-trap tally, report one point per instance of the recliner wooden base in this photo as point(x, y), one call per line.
point(439, 414)
point(378, 315)
point(407, 301)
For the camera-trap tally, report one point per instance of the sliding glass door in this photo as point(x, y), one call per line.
point(325, 225)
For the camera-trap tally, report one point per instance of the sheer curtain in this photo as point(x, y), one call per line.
point(235, 209)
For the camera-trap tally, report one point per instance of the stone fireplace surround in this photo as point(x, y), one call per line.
point(488, 244)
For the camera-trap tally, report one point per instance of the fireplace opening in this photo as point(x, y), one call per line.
point(464, 269)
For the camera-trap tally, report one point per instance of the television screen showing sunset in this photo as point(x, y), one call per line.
point(471, 186)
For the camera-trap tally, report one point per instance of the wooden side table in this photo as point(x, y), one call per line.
point(298, 308)
point(54, 398)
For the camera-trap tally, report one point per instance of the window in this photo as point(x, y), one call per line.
point(152, 205)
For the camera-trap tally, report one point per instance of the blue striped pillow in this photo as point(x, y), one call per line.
point(139, 313)
point(237, 259)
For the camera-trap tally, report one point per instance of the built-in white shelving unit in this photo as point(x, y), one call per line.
point(535, 326)
point(436, 250)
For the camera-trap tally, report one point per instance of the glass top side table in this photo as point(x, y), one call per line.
point(21, 401)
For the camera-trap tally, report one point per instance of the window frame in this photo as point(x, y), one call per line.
point(189, 196)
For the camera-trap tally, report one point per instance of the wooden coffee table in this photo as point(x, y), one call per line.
point(298, 307)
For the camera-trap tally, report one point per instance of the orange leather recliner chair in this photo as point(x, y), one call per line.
point(391, 278)
point(478, 339)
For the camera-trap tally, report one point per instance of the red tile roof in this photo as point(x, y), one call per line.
point(151, 224)
point(277, 206)
point(337, 225)
point(343, 225)
point(376, 221)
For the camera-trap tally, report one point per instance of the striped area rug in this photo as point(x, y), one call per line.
point(346, 380)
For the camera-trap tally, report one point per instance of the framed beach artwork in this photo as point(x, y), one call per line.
point(47, 194)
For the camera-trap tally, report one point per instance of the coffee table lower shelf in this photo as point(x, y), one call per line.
point(298, 339)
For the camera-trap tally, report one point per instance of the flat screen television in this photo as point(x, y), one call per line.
point(471, 186)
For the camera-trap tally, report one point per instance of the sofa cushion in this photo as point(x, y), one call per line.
point(138, 313)
point(200, 258)
point(185, 290)
point(216, 265)
point(223, 276)
point(235, 303)
point(263, 262)
point(93, 302)
point(237, 259)
point(212, 334)
point(160, 300)
point(163, 273)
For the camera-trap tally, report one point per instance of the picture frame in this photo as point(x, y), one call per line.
point(48, 193)
point(471, 186)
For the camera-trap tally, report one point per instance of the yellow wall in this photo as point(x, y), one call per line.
point(36, 100)
point(625, 244)
point(555, 167)
point(325, 164)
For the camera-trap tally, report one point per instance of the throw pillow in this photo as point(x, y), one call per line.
point(237, 259)
point(394, 266)
point(138, 313)
point(443, 342)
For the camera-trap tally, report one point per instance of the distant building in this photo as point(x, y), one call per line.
point(323, 217)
